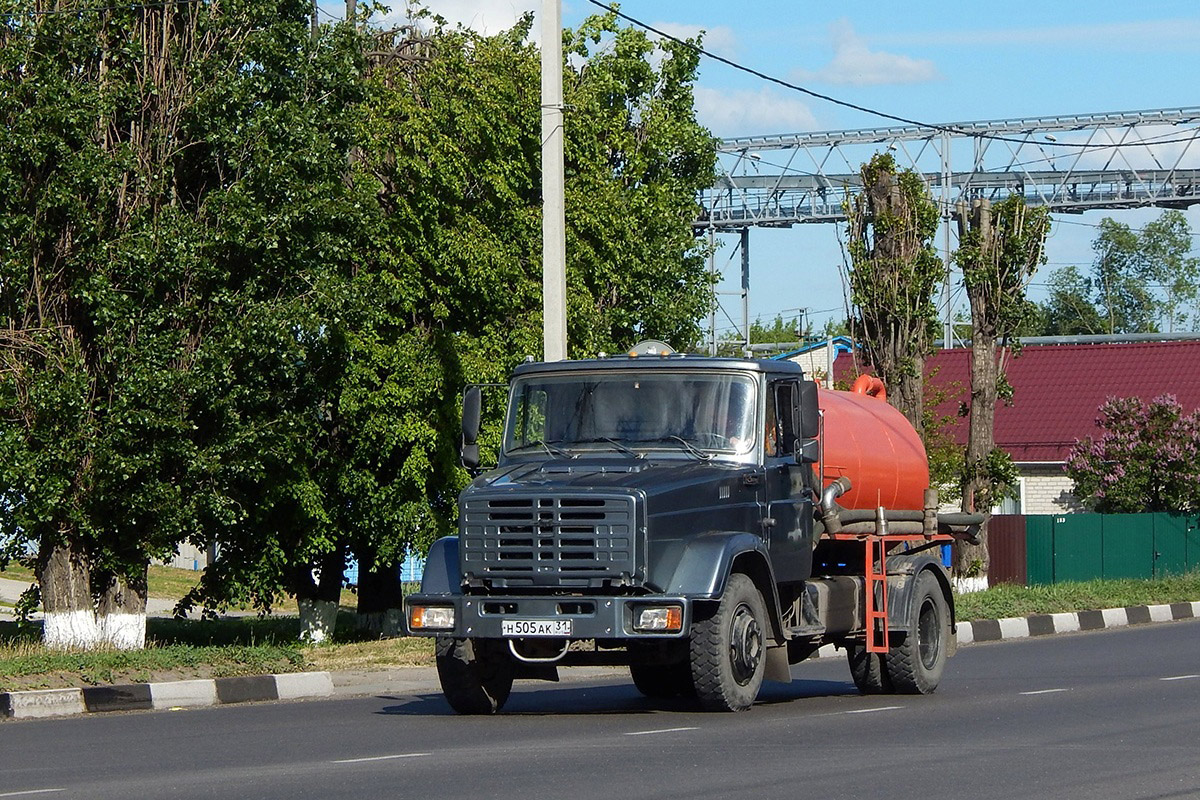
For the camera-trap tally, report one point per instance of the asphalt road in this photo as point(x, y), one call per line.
point(1103, 715)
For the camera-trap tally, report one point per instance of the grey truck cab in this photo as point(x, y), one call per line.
point(659, 512)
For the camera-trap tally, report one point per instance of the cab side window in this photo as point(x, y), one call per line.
point(780, 419)
point(781, 433)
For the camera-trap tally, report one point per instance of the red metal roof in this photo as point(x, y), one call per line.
point(1057, 389)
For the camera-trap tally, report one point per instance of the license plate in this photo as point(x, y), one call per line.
point(535, 627)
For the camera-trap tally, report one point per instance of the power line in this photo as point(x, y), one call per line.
point(846, 104)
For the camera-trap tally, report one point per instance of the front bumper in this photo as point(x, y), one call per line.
point(483, 616)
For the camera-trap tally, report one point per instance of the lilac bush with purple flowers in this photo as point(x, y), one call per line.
point(1146, 459)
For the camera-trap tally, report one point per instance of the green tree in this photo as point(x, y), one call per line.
point(446, 286)
point(893, 274)
point(1069, 310)
point(166, 174)
point(999, 252)
point(1142, 281)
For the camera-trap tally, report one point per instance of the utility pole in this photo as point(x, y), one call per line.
point(554, 235)
point(315, 24)
point(746, 285)
point(351, 12)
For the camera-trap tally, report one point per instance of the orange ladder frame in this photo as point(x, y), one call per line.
point(875, 620)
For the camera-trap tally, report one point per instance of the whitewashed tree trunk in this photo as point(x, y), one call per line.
point(69, 619)
point(386, 624)
point(317, 620)
point(122, 614)
point(977, 583)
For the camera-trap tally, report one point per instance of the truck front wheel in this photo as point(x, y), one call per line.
point(476, 674)
point(915, 665)
point(728, 648)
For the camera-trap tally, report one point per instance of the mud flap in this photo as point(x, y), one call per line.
point(777, 665)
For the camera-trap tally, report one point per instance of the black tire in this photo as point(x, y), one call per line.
point(867, 670)
point(728, 648)
point(476, 674)
point(663, 681)
point(915, 665)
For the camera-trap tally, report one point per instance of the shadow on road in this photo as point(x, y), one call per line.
point(615, 698)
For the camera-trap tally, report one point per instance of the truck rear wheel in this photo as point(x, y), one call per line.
point(476, 674)
point(915, 665)
point(729, 648)
point(867, 670)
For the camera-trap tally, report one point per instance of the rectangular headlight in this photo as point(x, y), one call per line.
point(431, 618)
point(668, 619)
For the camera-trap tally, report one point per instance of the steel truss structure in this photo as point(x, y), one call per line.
point(1070, 164)
point(782, 180)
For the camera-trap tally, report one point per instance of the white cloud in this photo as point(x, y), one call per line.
point(738, 112)
point(485, 16)
point(855, 64)
point(1123, 35)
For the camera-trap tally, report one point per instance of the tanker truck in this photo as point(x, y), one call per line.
point(705, 522)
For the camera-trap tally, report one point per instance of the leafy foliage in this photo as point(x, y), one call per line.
point(1141, 282)
point(1147, 459)
point(893, 274)
point(245, 271)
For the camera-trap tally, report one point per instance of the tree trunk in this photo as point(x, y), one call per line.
point(317, 594)
point(65, 584)
point(380, 598)
point(906, 394)
point(121, 612)
point(971, 561)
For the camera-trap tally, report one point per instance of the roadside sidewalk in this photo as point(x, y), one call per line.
point(423, 680)
point(10, 592)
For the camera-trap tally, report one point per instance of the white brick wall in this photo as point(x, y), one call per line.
point(1048, 490)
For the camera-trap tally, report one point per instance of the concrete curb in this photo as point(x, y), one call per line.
point(301, 685)
point(995, 630)
point(166, 695)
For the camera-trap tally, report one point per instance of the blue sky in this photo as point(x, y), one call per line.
point(932, 61)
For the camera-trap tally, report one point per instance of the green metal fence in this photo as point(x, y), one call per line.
point(1079, 547)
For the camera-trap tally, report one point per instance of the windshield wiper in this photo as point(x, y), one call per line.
point(691, 448)
point(547, 446)
point(615, 443)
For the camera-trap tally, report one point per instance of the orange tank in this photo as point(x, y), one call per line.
point(873, 445)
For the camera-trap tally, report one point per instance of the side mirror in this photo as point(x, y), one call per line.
point(808, 451)
point(469, 453)
point(810, 411)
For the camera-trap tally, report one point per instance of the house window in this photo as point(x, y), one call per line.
point(1012, 505)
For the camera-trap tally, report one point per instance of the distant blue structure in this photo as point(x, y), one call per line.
point(412, 568)
point(841, 344)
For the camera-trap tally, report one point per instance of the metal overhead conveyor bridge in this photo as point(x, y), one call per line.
point(1069, 163)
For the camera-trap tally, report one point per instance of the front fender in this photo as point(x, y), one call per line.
point(442, 575)
point(709, 559)
point(704, 567)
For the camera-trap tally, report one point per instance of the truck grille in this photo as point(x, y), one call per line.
point(569, 541)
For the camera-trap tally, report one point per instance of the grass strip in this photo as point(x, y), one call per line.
point(1005, 600)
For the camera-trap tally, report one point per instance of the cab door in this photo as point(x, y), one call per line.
point(789, 502)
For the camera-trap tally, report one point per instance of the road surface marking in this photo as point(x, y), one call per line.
point(872, 710)
point(379, 758)
point(1045, 691)
point(1179, 677)
point(660, 730)
point(30, 791)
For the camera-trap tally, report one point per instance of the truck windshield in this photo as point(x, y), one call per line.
point(635, 410)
